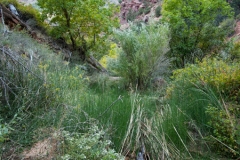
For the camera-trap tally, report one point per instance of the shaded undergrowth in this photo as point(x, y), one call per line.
point(41, 94)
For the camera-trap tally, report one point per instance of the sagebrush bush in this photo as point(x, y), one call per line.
point(91, 145)
point(142, 50)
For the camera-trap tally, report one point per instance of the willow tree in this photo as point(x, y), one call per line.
point(195, 27)
point(82, 23)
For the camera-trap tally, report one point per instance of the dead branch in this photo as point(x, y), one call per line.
point(11, 55)
point(4, 27)
point(10, 17)
point(94, 63)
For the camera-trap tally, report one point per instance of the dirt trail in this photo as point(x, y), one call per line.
point(237, 29)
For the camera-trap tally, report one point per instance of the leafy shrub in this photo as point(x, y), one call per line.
point(143, 49)
point(158, 11)
point(112, 54)
point(235, 51)
point(217, 74)
point(224, 128)
point(91, 145)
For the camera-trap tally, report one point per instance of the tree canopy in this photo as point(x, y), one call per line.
point(82, 23)
point(194, 26)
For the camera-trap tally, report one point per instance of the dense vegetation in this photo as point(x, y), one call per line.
point(172, 86)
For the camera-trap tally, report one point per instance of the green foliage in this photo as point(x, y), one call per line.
point(3, 132)
point(228, 25)
point(224, 127)
point(82, 23)
point(235, 4)
point(208, 83)
point(143, 48)
point(235, 52)
point(91, 145)
point(157, 128)
point(112, 55)
point(131, 15)
point(158, 11)
point(21, 84)
point(194, 28)
point(217, 74)
point(147, 10)
point(111, 107)
point(147, 7)
point(65, 82)
point(188, 102)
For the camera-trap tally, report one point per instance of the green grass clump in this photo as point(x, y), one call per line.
point(196, 87)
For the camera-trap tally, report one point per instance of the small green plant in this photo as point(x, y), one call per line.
point(91, 145)
point(235, 52)
point(4, 131)
point(158, 11)
point(131, 15)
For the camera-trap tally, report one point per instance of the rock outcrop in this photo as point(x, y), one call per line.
point(134, 6)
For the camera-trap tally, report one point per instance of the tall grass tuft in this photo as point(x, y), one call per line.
point(143, 48)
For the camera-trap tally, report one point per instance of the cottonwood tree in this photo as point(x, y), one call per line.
point(82, 23)
point(195, 29)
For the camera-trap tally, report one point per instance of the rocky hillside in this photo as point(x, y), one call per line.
point(137, 10)
point(130, 10)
